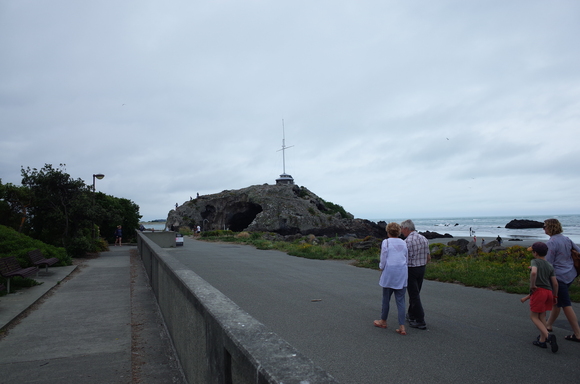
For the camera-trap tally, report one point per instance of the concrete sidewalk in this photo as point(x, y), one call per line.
point(97, 322)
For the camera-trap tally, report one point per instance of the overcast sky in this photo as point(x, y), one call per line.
point(393, 109)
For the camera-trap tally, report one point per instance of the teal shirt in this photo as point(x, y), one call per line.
point(545, 271)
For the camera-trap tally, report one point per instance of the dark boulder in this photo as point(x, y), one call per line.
point(434, 235)
point(524, 224)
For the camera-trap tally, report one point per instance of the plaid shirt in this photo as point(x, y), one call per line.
point(418, 247)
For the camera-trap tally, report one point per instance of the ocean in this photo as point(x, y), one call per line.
point(493, 226)
point(156, 225)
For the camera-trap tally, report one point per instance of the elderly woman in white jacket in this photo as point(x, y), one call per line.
point(394, 274)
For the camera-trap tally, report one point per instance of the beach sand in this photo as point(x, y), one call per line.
point(506, 243)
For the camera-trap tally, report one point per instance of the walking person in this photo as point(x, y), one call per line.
point(559, 255)
point(393, 266)
point(418, 251)
point(118, 235)
point(543, 294)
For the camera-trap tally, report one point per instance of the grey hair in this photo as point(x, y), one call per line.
point(408, 224)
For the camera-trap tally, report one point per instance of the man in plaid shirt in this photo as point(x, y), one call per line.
point(418, 257)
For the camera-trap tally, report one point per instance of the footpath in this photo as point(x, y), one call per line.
point(95, 322)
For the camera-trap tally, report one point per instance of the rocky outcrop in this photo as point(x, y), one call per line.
point(464, 246)
point(523, 224)
point(282, 209)
point(434, 235)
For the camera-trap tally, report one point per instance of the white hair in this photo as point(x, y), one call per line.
point(408, 224)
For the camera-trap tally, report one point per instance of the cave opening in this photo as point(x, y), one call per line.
point(244, 216)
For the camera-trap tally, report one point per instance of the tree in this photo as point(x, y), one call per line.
point(14, 204)
point(64, 211)
point(61, 208)
point(112, 211)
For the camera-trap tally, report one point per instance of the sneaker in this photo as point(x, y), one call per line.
point(416, 324)
point(553, 342)
point(408, 318)
point(540, 344)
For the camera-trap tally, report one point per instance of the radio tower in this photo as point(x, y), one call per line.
point(284, 179)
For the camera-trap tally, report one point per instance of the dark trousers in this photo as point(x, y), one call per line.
point(414, 284)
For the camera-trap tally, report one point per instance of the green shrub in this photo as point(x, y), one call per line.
point(334, 208)
point(217, 233)
point(185, 231)
point(78, 246)
point(16, 244)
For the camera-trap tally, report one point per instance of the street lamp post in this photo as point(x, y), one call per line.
point(100, 177)
point(97, 176)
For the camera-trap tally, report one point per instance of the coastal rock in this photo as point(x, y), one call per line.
point(437, 252)
point(492, 246)
point(282, 209)
point(523, 224)
point(434, 235)
point(464, 246)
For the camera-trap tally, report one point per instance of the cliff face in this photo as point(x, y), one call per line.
point(283, 209)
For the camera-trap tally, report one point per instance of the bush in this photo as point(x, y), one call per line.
point(217, 233)
point(185, 231)
point(335, 208)
point(16, 244)
point(79, 246)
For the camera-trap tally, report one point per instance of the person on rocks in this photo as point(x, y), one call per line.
point(560, 256)
point(418, 251)
point(393, 266)
point(543, 294)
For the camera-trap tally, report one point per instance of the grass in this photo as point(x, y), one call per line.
point(503, 270)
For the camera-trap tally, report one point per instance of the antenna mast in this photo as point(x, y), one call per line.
point(284, 147)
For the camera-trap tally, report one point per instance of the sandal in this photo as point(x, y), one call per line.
point(378, 323)
point(553, 343)
point(540, 344)
point(572, 337)
point(401, 331)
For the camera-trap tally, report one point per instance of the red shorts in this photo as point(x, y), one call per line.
point(541, 300)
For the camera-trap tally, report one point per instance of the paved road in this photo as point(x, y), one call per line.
point(473, 336)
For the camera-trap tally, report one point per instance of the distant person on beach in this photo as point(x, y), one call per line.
point(482, 242)
point(559, 255)
point(543, 294)
point(475, 239)
point(393, 266)
point(499, 240)
point(418, 250)
point(118, 235)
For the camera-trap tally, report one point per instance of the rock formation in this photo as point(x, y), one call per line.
point(282, 209)
point(435, 235)
point(522, 224)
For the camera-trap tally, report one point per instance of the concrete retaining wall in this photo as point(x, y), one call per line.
point(164, 239)
point(216, 341)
